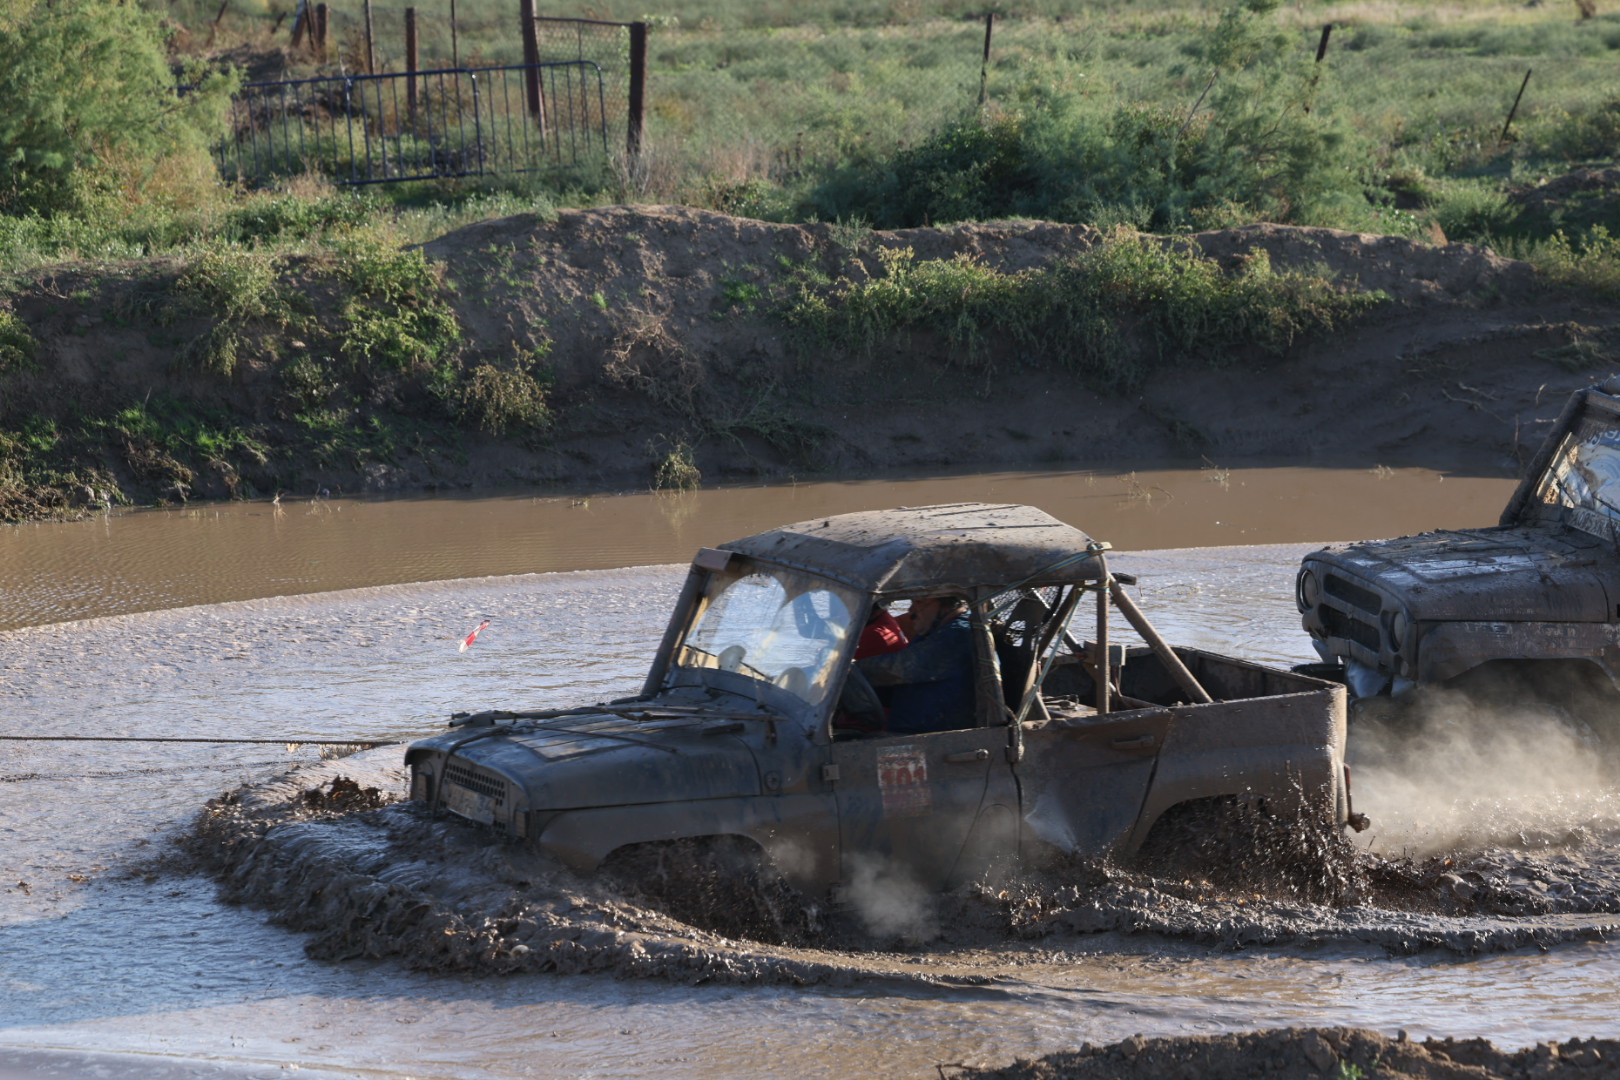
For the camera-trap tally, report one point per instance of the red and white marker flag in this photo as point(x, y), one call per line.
point(472, 637)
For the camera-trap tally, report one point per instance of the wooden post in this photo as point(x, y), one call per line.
point(214, 29)
point(984, 66)
point(319, 34)
point(455, 45)
point(531, 57)
point(1105, 682)
point(410, 63)
point(1515, 110)
point(1321, 51)
point(637, 108)
point(279, 20)
point(371, 43)
point(301, 25)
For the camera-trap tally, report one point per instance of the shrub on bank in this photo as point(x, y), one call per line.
point(1248, 148)
point(1110, 314)
point(92, 117)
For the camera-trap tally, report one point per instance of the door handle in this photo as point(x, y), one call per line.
point(1134, 742)
point(966, 756)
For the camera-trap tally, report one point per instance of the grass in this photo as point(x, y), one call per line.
point(1111, 314)
point(760, 108)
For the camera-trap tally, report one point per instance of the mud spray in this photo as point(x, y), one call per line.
point(1454, 771)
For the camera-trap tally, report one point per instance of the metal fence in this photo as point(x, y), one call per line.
point(619, 49)
point(372, 129)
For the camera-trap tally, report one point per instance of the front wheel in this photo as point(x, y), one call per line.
point(724, 884)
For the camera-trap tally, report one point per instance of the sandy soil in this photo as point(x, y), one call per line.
point(660, 333)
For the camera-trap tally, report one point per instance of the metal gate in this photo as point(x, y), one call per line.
point(378, 129)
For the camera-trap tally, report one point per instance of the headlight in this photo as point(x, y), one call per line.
point(1399, 625)
point(1307, 590)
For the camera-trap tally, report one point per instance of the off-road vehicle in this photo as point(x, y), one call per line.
point(1531, 604)
point(740, 741)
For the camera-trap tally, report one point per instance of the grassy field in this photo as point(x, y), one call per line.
point(776, 110)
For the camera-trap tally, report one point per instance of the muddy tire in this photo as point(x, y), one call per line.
point(1235, 845)
point(724, 884)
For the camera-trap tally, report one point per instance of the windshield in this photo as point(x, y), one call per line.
point(773, 625)
point(1585, 473)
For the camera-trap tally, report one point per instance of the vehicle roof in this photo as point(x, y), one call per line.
point(923, 549)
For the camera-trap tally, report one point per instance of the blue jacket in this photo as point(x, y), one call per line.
point(928, 685)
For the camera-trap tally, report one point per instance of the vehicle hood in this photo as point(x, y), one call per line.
point(1512, 574)
point(594, 760)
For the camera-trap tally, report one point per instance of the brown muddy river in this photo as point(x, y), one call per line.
point(111, 965)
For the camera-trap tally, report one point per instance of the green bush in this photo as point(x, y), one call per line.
point(677, 470)
point(235, 283)
point(91, 106)
point(396, 314)
point(499, 400)
point(1589, 263)
point(17, 345)
point(1249, 147)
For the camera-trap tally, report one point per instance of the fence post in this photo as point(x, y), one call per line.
point(637, 108)
point(1321, 51)
point(1515, 110)
point(214, 29)
point(300, 24)
point(410, 63)
point(984, 66)
point(455, 46)
point(531, 58)
point(319, 32)
point(371, 48)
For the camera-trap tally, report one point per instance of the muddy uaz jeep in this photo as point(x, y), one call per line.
point(741, 737)
point(1531, 604)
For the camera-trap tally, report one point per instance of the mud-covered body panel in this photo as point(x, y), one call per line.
point(1542, 586)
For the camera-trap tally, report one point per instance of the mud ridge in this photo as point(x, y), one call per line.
point(1309, 1054)
point(330, 850)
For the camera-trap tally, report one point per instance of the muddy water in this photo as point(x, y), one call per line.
point(102, 953)
point(236, 551)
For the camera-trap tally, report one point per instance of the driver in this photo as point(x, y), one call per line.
point(928, 685)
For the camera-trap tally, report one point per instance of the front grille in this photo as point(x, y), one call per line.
point(1342, 624)
point(473, 780)
point(1354, 594)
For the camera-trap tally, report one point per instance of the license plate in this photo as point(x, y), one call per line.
point(469, 804)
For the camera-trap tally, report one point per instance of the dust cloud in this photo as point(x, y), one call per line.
point(1453, 771)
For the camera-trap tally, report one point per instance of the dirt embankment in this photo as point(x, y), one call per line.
point(657, 330)
point(1310, 1054)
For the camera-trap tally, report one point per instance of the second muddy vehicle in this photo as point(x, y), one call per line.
point(1526, 611)
point(756, 742)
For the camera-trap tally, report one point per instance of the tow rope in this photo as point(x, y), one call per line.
point(295, 741)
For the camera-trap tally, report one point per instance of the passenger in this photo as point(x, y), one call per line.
point(929, 684)
point(881, 635)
